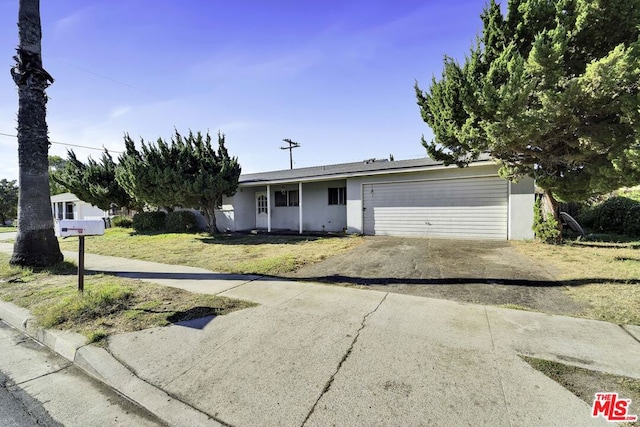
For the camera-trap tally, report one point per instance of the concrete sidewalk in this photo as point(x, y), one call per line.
point(315, 354)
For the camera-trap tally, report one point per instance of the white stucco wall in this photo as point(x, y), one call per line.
point(317, 214)
point(244, 207)
point(240, 211)
point(84, 210)
point(521, 199)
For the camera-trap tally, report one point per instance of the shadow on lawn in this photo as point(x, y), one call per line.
point(142, 275)
point(363, 281)
point(248, 238)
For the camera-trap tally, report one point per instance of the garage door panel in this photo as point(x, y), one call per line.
point(447, 208)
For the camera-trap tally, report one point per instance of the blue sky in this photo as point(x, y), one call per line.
point(335, 76)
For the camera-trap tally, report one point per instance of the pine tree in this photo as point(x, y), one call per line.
point(187, 172)
point(93, 182)
point(550, 91)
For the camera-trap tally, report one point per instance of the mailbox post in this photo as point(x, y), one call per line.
point(81, 228)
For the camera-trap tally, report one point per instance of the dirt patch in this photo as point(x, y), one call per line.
point(481, 272)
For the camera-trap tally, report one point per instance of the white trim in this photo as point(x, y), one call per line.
point(360, 174)
point(509, 211)
point(268, 208)
point(300, 206)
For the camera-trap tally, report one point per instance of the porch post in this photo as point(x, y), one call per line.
point(268, 208)
point(300, 205)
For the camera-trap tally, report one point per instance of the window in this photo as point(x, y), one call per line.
point(287, 198)
point(262, 204)
point(69, 210)
point(338, 196)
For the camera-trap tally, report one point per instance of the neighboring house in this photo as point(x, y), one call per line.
point(68, 206)
point(418, 197)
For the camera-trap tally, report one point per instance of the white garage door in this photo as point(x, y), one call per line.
point(470, 207)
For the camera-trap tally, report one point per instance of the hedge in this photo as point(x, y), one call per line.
point(149, 221)
point(181, 222)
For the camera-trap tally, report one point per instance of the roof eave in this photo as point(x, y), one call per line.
point(337, 176)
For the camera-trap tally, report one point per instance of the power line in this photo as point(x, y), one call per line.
point(110, 79)
point(68, 145)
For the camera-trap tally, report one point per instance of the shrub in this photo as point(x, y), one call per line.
point(632, 221)
point(149, 221)
point(545, 230)
point(181, 222)
point(612, 215)
point(122, 221)
point(587, 216)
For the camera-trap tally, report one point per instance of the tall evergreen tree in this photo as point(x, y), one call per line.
point(187, 172)
point(8, 200)
point(56, 164)
point(36, 243)
point(552, 91)
point(93, 182)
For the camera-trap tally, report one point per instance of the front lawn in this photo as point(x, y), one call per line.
point(604, 275)
point(237, 253)
point(109, 305)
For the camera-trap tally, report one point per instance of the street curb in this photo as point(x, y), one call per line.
point(102, 366)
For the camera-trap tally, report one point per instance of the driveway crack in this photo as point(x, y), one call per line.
point(493, 345)
point(327, 386)
point(629, 333)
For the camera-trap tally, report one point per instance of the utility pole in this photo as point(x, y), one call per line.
point(291, 146)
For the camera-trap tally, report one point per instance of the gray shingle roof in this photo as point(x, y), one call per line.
point(355, 168)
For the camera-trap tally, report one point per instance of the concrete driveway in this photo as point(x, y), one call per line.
point(475, 271)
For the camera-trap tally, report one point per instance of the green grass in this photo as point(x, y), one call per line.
point(515, 307)
point(243, 254)
point(108, 305)
point(7, 228)
point(604, 275)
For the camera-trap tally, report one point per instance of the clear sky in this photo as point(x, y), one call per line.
point(335, 76)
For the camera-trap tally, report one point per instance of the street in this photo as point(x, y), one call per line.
point(39, 388)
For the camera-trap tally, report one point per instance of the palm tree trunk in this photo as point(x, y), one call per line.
point(36, 244)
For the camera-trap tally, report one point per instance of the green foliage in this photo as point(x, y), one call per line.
point(149, 221)
point(122, 221)
point(94, 303)
point(631, 193)
point(93, 182)
point(8, 200)
point(551, 90)
point(186, 172)
point(181, 222)
point(620, 215)
point(56, 164)
point(545, 229)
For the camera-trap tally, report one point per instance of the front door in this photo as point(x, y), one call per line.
point(262, 209)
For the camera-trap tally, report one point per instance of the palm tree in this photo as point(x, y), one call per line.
point(36, 244)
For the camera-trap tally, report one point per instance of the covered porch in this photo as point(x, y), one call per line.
point(291, 206)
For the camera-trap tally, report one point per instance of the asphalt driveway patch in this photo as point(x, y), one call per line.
point(475, 271)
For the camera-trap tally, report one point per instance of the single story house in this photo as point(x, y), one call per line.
point(68, 206)
point(418, 197)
